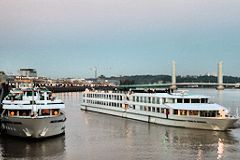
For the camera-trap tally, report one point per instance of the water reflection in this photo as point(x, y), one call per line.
point(220, 150)
point(16, 148)
point(199, 142)
point(140, 140)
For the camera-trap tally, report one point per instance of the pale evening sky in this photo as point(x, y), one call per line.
point(66, 38)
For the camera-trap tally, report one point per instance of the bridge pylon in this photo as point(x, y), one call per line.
point(173, 86)
point(220, 76)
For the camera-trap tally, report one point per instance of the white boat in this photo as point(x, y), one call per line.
point(177, 109)
point(33, 113)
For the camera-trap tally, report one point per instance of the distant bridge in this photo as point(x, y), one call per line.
point(219, 85)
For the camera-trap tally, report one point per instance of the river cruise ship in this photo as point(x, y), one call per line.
point(177, 108)
point(33, 113)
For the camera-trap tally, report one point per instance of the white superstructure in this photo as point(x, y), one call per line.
point(173, 109)
point(33, 113)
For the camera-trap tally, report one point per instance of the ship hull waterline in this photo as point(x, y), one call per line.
point(36, 127)
point(199, 123)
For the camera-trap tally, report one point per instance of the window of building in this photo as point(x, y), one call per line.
point(186, 100)
point(158, 110)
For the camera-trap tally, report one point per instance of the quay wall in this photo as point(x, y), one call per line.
point(77, 88)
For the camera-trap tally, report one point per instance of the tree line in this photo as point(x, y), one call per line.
point(152, 79)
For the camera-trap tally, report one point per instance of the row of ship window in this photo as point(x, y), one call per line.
point(104, 96)
point(158, 100)
point(113, 104)
point(180, 112)
point(43, 112)
point(159, 110)
point(153, 100)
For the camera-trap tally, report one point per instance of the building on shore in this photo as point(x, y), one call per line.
point(29, 72)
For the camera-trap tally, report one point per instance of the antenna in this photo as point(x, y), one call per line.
point(94, 69)
point(95, 72)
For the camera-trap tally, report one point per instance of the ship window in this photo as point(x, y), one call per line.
point(162, 110)
point(141, 99)
point(153, 109)
point(169, 100)
point(134, 107)
point(208, 113)
point(186, 100)
point(145, 108)
point(158, 100)
point(12, 113)
point(141, 108)
point(45, 112)
point(153, 99)
point(193, 113)
point(55, 112)
point(137, 99)
point(179, 100)
point(183, 112)
point(145, 99)
point(195, 100)
point(133, 98)
point(149, 109)
point(158, 110)
point(164, 100)
point(149, 99)
point(204, 100)
point(175, 111)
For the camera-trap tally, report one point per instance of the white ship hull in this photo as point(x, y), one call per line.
point(38, 127)
point(176, 121)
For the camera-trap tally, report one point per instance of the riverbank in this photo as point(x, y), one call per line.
point(77, 88)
